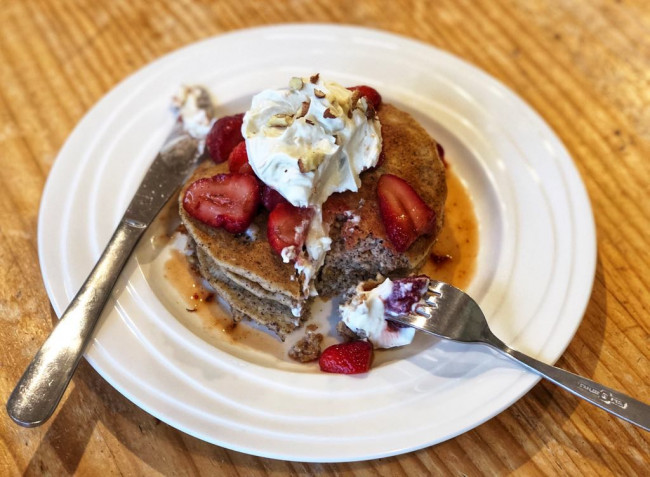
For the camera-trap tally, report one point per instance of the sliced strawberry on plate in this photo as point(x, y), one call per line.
point(404, 214)
point(238, 160)
point(353, 357)
point(225, 200)
point(371, 94)
point(271, 198)
point(224, 135)
point(287, 226)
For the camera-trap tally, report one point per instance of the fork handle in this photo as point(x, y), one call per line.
point(610, 400)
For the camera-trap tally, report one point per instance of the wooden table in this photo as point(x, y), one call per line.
point(583, 65)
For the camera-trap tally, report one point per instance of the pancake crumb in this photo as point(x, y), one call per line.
point(307, 348)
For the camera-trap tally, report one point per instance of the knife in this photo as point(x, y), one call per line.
point(41, 387)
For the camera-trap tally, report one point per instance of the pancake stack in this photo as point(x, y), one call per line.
point(252, 279)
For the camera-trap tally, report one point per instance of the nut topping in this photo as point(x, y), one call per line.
point(314, 78)
point(303, 109)
point(328, 114)
point(280, 121)
point(311, 161)
point(354, 99)
point(296, 83)
point(318, 93)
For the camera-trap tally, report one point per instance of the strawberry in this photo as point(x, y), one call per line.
point(238, 160)
point(404, 214)
point(225, 200)
point(371, 94)
point(224, 135)
point(353, 357)
point(287, 226)
point(271, 198)
point(405, 293)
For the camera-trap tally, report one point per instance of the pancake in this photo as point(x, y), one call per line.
point(243, 269)
point(257, 285)
point(360, 248)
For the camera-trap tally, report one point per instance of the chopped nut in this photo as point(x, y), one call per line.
point(314, 78)
point(336, 109)
point(311, 161)
point(318, 93)
point(337, 140)
point(303, 109)
point(296, 83)
point(354, 99)
point(309, 122)
point(280, 121)
point(328, 114)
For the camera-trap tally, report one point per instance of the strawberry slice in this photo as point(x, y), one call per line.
point(225, 200)
point(404, 214)
point(371, 94)
point(271, 198)
point(224, 135)
point(353, 357)
point(287, 226)
point(238, 160)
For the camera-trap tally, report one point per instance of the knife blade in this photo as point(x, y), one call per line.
point(39, 390)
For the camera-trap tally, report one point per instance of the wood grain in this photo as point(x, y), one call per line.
point(583, 65)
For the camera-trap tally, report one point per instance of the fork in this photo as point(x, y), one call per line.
point(449, 313)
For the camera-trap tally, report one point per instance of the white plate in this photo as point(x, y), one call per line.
point(535, 267)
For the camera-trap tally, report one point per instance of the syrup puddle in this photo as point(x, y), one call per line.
point(454, 255)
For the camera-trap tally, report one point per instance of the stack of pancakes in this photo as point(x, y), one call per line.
point(253, 280)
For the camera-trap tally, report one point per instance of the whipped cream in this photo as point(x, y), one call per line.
point(194, 107)
point(365, 315)
point(303, 154)
point(307, 142)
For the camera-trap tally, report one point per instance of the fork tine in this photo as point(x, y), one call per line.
point(424, 311)
point(433, 288)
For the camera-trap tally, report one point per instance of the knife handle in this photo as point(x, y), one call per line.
point(43, 383)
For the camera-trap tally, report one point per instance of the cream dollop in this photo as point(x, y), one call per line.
point(365, 315)
point(194, 107)
point(308, 142)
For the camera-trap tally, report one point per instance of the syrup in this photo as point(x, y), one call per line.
point(453, 259)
